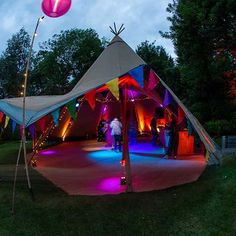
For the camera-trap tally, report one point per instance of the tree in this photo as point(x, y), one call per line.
point(204, 33)
point(162, 63)
point(13, 63)
point(63, 60)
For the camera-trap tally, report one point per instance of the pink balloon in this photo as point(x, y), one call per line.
point(55, 8)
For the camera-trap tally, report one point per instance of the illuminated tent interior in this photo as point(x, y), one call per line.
point(118, 84)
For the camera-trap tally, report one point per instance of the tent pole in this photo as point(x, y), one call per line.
point(23, 139)
point(15, 177)
point(125, 154)
point(24, 105)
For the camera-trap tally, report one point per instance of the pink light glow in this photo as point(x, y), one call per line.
point(55, 6)
point(48, 152)
point(111, 185)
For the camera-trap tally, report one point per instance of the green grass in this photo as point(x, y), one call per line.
point(9, 152)
point(206, 207)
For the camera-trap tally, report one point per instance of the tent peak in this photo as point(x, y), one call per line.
point(115, 31)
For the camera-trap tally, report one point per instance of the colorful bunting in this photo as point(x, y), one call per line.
point(113, 87)
point(1, 116)
point(91, 98)
point(72, 109)
point(207, 156)
point(181, 115)
point(6, 122)
point(13, 125)
point(167, 98)
point(32, 130)
point(138, 74)
point(42, 123)
point(153, 80)
point(21, 131)
point(55, 116)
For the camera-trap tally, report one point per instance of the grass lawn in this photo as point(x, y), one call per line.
point(206, 207)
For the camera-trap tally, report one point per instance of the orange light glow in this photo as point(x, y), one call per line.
point(186, 143)
point(65, 129)
point(143, 120)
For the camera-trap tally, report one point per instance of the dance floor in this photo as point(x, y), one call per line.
point(89, 168)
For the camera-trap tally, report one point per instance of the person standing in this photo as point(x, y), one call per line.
point(153, 125)
point(101, 130)
point(116, 132)
point(173, 143)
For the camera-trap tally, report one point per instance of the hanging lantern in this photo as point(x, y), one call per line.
point(55, 8)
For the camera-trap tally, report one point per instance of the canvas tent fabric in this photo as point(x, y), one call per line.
point(115, 61)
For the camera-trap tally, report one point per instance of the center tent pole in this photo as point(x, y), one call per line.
point(125, 153)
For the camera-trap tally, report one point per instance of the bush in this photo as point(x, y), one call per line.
point(221, 127)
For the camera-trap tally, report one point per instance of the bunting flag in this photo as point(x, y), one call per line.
point(21, 131)
point(6, 122)
point(32, 130)
point(1, 116)
point(207, 156)
point(167, 98)
point(13, 125)
point(55, 116)
point(72, 109)
point(91, 98)
point(42, 124)
point(114, 88)
point(138, 74)
point(153, 80)
point(181, 115)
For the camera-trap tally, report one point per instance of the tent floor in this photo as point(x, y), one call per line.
point(89, 168)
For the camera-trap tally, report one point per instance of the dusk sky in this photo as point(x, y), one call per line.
point(142, 20)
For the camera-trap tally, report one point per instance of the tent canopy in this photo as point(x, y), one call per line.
point(115, 61)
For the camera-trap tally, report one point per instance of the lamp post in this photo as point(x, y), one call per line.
point(52, 8)
point(23, 136)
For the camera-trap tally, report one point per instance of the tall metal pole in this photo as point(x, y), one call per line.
point(23, 136)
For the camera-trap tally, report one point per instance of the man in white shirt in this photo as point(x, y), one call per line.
point(116, 132)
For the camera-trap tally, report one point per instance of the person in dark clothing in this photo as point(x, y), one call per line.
point(153, 125)
point(101, 131)
point(173, 143)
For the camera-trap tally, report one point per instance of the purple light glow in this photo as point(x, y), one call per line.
point(105, 108)
point(132, 94)
point(48, 152)
point(111, 185)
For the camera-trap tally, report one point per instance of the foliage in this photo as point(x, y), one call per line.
point(204, 35)
point(13, 63)
point(221, 127)
point(63, 60)
point(162, 63)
